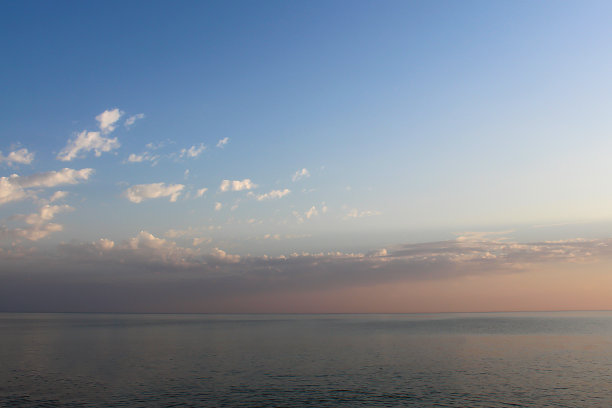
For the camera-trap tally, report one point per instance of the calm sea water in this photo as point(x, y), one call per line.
point(446, 360)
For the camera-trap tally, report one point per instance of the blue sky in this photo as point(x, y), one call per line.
point(347, 127)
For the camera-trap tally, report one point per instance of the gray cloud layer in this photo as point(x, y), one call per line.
point(146, 273)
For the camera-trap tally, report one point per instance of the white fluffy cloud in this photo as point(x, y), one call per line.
point(236, 185)
point(54, 178)
point(300, 174)
point(13, 188)
point(274, 194)
point(218, 206)
point(10, 190)
point(193, 151)
point(132, 119)
point(201, 192)
point(141, 192)
point(108, 119)
point(222, 142)
point(21, 156)
point(86, 142)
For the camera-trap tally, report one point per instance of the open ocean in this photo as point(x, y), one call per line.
point(559, 359)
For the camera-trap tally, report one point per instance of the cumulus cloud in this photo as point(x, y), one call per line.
point(201, 192)
point(31, 233)
point(300, 174)
point(54, 178)
point(193, 151)
point(46, 213)
point(274, 194)
point(104, 244)
point(108, 119)
point(13, 188)
point(218, 206)
point(222, 142)
point(86, 142)
point(132, 119)
point(21, 156)
point(140, 192)
point(144, 249)
point(10, 190)
point(38, 224)
point(236, 185)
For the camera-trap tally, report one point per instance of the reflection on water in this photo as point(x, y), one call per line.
point(453, 360)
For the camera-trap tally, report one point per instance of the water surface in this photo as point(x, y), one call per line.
point(448, 360)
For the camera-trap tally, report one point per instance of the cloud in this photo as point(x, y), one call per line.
point(200, 240)
point(193, 151)
point(236, 185)
point(132, 119)
point(54, 178)
point(201, 192)
point(46, 213)
point(13, 188)
point(189, 232)
point(58, 195)
point(483, 235)
point(312, 212)
point(355, 213)
point(86, 142)
point(222, 142)
point(38, 224)
point(140, 192)
point(151, 266)
point(218, 206)
point(221, 255)
point(104, 244)
point(31, 233)
point(10, 190)
point(300, 174)
point(144, 249)
point(21, 156)
point(139, 158)
point(107, 120)
point(274, 194)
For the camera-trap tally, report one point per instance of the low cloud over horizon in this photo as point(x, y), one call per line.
point(209, 280)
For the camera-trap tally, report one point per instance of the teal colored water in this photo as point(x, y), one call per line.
point(448, 360)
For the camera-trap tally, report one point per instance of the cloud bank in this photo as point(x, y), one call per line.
point(158, 268)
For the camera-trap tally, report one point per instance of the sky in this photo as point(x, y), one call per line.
point(305, 157)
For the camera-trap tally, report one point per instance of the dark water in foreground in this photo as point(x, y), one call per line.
point(453, 360)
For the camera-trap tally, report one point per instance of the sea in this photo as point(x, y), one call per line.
point(552, 359)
